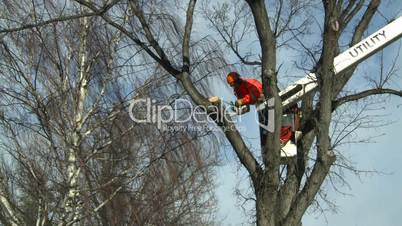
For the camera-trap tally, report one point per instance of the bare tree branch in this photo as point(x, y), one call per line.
point(365, 94)
point(47, 22)
point(186, 36)
point(62, 18)
point(357, 36)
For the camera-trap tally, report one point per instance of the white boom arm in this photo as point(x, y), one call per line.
point(343, 61)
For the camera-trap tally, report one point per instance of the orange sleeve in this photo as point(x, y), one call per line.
point(246, 99)
point(258, 85)
point(286, 134)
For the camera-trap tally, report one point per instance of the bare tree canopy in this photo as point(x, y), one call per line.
point(72, 155)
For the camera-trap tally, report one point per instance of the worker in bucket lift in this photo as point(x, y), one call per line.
point(249, 92)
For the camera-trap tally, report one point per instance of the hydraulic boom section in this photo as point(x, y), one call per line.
point(345, 60)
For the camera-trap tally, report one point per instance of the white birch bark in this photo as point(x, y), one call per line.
point(15, 217)
point(72, 204)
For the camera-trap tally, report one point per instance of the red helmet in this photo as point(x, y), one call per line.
point(232, 78)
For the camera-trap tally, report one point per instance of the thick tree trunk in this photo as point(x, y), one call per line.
point(266, 213)
point(264, 209)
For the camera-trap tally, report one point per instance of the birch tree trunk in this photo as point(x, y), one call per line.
point(15, 217)
point(73, 206)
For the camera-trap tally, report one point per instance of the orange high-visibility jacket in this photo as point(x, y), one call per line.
point(249, 91)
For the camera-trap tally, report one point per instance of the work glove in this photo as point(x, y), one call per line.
point(239, 103)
